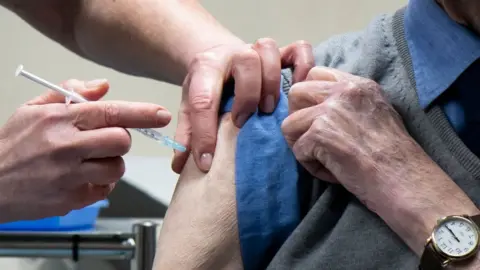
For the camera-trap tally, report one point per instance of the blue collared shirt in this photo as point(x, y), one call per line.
point(442, 50)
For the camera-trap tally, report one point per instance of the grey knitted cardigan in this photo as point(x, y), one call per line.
point(338, 232)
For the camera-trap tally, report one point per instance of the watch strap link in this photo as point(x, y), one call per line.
point(430, 259)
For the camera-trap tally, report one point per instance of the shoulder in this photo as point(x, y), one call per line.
point(348, 51)
point(370, 53)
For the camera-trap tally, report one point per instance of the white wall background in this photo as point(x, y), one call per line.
point(283, 20)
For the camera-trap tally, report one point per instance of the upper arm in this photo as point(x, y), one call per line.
point(200, 228)
point(53, 18)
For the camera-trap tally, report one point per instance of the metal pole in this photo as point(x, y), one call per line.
point(145, 242)
point(121, 247)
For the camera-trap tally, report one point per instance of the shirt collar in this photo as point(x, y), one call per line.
point(441, 49)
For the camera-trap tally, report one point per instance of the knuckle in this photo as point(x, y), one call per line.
point(247, 57)
point(303, 148)
point(331, 104)
point(352, 89)
point(201, 102)
point(112, 114)
point(295, 94)
point(304, 54)
point(266, 43)
point(303, 44)
point(314, 71)
point(204, 140)
point(207, 58)
point(296, 90)
point(320, 124)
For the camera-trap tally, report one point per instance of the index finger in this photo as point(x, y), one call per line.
point(203, 104)
point(297, 123)
point(298, 55)
point(310, 93)
point(101, 114)
point(270, 69)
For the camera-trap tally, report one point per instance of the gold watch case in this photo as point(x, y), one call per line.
point(448, 257)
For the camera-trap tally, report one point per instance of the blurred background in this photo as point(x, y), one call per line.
point(148, 168)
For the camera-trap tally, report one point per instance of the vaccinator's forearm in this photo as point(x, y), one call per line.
point(150, 38)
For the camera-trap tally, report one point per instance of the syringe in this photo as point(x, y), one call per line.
point(75, 97)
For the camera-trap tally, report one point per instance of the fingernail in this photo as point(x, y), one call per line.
point(95, 83)
point(206, 161)
point(164, 115)
point(241, 119)
point(269, 104)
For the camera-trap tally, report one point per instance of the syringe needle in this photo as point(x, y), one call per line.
point(75, 97)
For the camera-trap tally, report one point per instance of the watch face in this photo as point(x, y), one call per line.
point(456, 237)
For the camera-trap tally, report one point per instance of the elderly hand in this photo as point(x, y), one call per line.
point(56, 158)
point(256, 70)
point(342, 128)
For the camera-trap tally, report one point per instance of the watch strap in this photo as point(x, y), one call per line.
point(476, 219)
point(430, 259)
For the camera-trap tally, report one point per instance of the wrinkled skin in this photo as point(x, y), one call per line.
point(342, 129)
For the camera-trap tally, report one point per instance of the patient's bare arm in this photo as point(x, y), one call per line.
point(200, 228)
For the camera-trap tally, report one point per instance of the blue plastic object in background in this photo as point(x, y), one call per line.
point(81, 219)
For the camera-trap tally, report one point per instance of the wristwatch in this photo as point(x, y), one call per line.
point(454, 239)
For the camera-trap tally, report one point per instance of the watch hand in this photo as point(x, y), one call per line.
point(454, 236)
